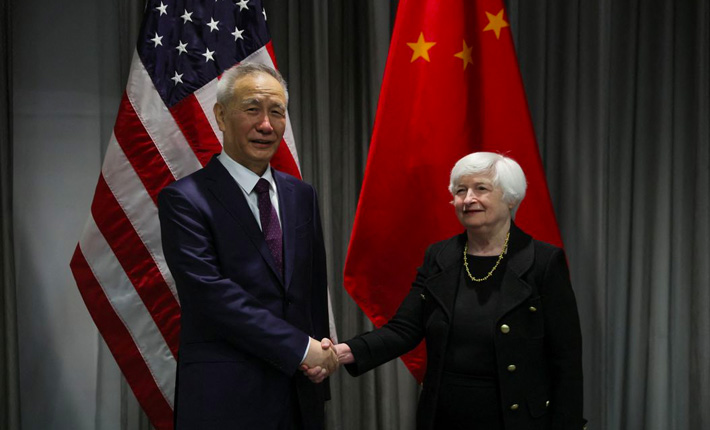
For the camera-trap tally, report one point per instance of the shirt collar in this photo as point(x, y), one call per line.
point(245, 177)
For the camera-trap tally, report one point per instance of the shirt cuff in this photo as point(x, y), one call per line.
point(305, 353)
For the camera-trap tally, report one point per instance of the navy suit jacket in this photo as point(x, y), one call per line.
point(244, 324)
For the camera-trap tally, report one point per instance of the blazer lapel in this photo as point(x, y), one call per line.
point(444, 285)
point(227, 192)
point(287, 206)
point(514, 289)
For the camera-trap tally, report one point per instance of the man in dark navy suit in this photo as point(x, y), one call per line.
point(245, 246)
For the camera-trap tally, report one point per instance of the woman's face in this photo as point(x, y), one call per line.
point(480, 205)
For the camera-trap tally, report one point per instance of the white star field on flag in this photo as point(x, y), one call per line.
point(197, 43)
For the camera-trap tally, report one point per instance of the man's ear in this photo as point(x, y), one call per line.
point(219, 112)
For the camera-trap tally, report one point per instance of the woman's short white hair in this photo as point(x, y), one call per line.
point(225, 86)
point(505, 172)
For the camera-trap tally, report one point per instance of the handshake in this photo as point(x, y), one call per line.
point(323, 358)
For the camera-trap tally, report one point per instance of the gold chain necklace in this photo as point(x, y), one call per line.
point(500, 257)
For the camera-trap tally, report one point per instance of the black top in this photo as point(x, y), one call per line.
point(471, 350)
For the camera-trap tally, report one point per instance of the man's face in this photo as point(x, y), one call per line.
point(254, 121)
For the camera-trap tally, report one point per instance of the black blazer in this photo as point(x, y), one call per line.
point(541, 337)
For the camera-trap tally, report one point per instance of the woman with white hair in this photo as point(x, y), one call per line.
point(498, 314)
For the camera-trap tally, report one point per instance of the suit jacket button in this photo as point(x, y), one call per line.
point(512, 368)
point(547, 403)
point(514, 407)
point(505, 329)
point(532, 309)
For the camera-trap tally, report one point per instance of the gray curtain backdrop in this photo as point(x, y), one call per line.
point(619, 93)
point(9, 380)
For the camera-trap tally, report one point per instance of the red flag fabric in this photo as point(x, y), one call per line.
point(165, 130)
point(451, 87)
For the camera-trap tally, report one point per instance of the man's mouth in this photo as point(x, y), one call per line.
point(262, 142)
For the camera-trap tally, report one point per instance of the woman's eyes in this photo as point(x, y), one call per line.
point(477, 188)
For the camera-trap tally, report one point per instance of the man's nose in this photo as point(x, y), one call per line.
point(264, 124)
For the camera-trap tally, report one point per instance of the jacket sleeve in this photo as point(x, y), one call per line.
point(563, 344)
point(400, 335)
point(234, 313)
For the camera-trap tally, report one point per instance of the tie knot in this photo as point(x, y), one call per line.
point(262, 186)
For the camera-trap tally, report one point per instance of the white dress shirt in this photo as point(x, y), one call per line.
point(246, 179)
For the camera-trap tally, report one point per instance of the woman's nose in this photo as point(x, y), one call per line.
point(470, 197)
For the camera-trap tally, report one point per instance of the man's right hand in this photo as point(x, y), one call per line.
point(323, 359)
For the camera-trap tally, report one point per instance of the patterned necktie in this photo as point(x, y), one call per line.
point(269, 222)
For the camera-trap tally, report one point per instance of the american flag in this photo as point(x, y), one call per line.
point(165, 130)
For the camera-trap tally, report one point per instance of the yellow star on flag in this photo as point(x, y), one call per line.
point(421, 48)
point(496, 22)
point(465, 55)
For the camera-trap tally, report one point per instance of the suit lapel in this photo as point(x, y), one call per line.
point(227, 192)
point(287, 208)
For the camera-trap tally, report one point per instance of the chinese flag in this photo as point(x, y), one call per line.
point(451, 87)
